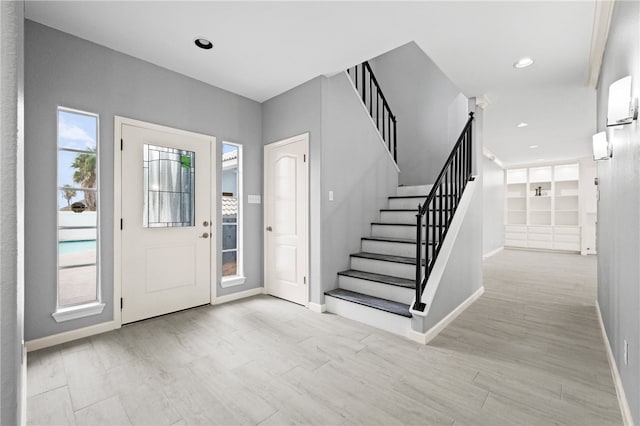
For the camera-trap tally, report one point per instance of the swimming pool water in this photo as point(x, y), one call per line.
point(66, 247)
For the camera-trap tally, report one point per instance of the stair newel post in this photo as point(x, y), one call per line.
point(418, 305)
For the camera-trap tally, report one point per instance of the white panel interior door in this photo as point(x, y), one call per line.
point(166, 244)
point(286, 219)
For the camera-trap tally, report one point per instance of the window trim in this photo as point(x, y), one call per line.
point(94, 307)
point(238, 278)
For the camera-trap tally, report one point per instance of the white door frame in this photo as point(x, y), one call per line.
point(302, 137)
point(117, 205)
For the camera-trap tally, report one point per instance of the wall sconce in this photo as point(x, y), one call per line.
point(601, 147)
point(622, 108)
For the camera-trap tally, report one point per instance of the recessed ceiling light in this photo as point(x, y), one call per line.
point(520, 125)
point(533, 146)
point(523, 62)
point(203, 43)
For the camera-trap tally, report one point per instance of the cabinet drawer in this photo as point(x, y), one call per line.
point(539, 244)
point(515, 236)
point(566, 246)
point(540, 237)
point(540, 230)
point(515, 228)
point(566, 238)
point(568, 230)
point(515, 243)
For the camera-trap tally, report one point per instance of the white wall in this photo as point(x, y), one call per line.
point(619, 206)
point(493, 206)
point(11, 224)
point(431, 111)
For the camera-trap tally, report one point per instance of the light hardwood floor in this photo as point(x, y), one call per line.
point(528, 352)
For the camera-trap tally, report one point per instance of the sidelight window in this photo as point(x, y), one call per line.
point(78, 275)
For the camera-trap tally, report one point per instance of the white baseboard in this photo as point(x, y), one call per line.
point(23, 389)
point(56, 339)
point(237, 296)
point(427, 336)
point(492, 253)
point(316, 307)
point(615, 373)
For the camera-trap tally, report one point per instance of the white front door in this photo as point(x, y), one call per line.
point(286, 218)
point(166, 220)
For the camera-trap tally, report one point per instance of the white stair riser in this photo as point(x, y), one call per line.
point(404, 191)
point(373, 288)
point(405, 217)
point(392, 323)
point(399, 231)
point(405, 203)
point(402, 270)
point(412, 203)
point(388, 247)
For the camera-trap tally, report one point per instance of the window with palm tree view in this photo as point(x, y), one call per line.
point(77, 208)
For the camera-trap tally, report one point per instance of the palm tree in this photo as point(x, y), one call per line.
point(68, 193)
point(85, 176)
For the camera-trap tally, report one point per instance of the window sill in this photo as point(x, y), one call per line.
point(75, 312)
point(232, 281)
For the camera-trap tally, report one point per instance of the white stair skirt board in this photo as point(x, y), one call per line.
point(373, 288)
point(617, 381)
point(402, 270)
point(392, 323)
point(389, 247)
point(318, 308)
point(427, 336)
point(413, 190)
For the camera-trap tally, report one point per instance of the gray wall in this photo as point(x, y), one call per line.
point(346, 157)
point(463, 274)
point(431, 111)
point(64, 70)
point(357, 167)
point(292, 113)
point(11, 284)
point(493, 206)
point(618, 226)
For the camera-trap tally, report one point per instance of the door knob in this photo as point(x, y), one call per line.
point(269, 229)
point(204, 235)
point(205, 223)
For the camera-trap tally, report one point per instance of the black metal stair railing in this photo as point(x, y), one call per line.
point(438, 209)
point(373, 99)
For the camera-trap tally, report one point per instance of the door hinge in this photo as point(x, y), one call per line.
point(121, 144)
point(304, 158)
point(121, 224)
point(305, 279)
point(121, 303)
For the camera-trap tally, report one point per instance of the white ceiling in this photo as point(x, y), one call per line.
point(265, 48)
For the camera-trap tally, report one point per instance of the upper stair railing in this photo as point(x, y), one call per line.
point(437, 211)
point(373, 99)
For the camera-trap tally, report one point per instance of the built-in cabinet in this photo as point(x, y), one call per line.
point(542, 207)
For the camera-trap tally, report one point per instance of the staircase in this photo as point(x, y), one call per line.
point(387, 279)
point(379, 287)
